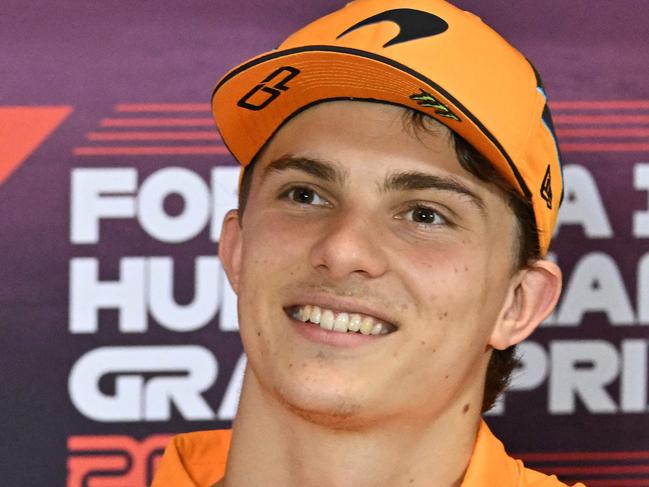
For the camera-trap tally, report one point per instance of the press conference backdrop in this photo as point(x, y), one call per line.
point(118, 327)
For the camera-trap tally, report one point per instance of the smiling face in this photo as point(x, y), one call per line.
point(355, 222)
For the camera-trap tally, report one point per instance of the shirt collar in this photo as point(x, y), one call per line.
point(490, 464)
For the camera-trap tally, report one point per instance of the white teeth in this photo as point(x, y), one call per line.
point(304, 313)
point(367, 325)
point(327, 320)
point(377, 329)
point(354, 322)
point(316, 312)
point(341, 322)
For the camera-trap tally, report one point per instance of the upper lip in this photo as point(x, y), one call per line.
point(342, 304)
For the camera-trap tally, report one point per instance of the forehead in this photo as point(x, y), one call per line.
point(367, 138)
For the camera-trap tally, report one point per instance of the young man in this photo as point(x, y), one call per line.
point(401, 184)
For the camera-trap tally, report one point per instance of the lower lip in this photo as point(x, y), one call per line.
point(316, 334)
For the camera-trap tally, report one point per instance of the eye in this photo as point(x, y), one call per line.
point(305, 196)
point(424, 215)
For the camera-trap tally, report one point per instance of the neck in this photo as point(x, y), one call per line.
point(286, 449)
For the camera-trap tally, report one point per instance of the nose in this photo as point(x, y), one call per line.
point(349, 245)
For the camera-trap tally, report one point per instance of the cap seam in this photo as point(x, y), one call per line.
point(533, 131)
point(530, 127)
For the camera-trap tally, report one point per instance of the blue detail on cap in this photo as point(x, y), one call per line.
point(547, 123)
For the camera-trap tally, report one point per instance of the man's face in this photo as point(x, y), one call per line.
point(352, 211)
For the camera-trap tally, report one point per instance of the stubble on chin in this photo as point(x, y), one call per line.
point(341, 416)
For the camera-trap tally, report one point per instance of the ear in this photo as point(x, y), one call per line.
point(230, 247)
point(531, 298)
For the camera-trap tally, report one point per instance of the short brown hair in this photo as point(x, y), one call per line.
point(502, 362)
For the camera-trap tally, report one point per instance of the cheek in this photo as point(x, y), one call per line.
point(272, 252)
point(270, 233)
point(455, 297)
point(266, 246)
point(441, 277)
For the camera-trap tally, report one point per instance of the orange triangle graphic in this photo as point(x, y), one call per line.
point(22, 130)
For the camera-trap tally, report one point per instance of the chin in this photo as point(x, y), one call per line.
point(344, 416)
point(327, 408)
point(337, 416)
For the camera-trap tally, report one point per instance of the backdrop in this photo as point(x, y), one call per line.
point(117, 325)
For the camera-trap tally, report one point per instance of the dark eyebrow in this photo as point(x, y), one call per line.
point(413, 180)
point(318, 168)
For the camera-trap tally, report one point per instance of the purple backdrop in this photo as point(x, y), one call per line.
point(109, 232)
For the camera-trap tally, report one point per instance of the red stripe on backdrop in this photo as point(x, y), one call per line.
point(163, 107)
point(608, 132)
point(616, 482)
point(157, 122)
point(169, 135)
point(149, 151)
point(605, 147)
point(583, 456)
point(600, 119)
point(599, 104)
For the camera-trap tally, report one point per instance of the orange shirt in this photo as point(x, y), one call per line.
point(198, 460)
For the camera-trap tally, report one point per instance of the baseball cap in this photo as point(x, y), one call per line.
point(426, 55)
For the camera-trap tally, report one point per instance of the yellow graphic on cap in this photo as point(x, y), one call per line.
point(425, 99)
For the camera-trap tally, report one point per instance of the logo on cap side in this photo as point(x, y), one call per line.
point(425, 99)
point(270, 88)
point(546, 188)
point(413, 24)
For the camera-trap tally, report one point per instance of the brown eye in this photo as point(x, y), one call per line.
point(302, 195)
point(305, 196)
point(425, 216)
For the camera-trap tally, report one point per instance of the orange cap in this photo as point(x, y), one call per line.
point(426, 55)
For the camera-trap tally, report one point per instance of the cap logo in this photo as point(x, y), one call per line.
point(273, 85)
point(546, 188)
point(425, 99)
point(413, 24)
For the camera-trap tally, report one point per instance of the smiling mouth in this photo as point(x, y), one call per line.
point(341, 322)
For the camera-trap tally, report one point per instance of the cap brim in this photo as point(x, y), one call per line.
point(255, 99)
